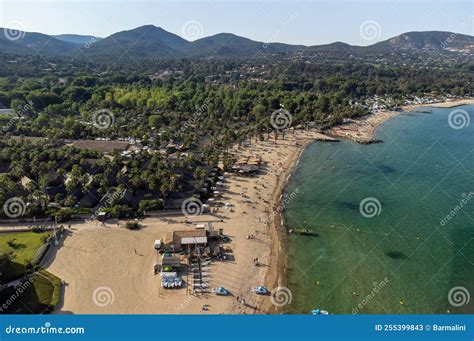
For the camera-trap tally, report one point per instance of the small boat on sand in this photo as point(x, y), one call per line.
point(261, 291)
point(319, 312)
point(221, 291)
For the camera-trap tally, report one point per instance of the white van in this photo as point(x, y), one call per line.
point(158, 244)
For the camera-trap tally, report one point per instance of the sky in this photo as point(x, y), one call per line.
point(307, 22)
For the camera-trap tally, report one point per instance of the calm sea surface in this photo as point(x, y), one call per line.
point(394, 221)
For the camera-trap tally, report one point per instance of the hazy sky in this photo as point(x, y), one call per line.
point(309, 22)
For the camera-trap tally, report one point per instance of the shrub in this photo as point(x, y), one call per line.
point(150, 205)
point(119, 211)
point(37, 229)
point(133, 225)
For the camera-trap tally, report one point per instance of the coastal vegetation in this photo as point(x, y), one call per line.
point(181, 118)
point(82, 137)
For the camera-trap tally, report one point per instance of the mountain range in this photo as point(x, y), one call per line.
point(146, 42)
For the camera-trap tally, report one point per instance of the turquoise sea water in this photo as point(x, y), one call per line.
point(402, 257)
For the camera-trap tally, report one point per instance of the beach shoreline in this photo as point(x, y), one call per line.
point(277, 276)
point(279, 240)
point(362, 129)
point(257, 207)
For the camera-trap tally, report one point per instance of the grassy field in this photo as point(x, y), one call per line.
point(22, 246)
point(39, 295)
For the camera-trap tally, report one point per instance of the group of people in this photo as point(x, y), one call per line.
point(241, 300)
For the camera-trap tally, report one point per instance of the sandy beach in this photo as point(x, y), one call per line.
point(362, 129)
point(109, 269)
